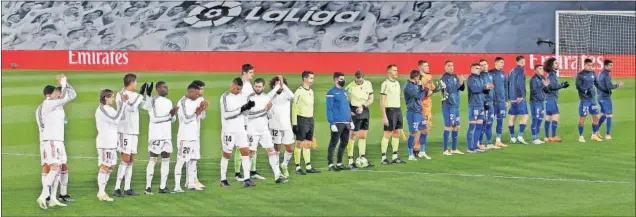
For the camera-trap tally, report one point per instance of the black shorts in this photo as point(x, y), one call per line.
point(394, 116)
point(361, 124)
point(305, 129)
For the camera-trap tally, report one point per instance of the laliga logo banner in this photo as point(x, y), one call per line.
point(219, 13)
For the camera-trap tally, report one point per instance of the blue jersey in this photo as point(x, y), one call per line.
point(450, 90)
point(413, 95)
point(486, 77)
point(475, 91)
point(338, 110)
point(605, 85)
point(537, 89)
point(517, 83)
point(585, 85)
point(500, 81)
point(555, 86)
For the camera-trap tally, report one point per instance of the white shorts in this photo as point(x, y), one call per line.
point(189, 150)
point(127, 143)
point(265, 139)
point(283, 137)
point(52, 152)
point(159, 146)
point(106, 157)
point(231, 140)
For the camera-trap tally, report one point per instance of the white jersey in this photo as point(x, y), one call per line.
point(247, 90)
point(280, 113)
point(106, 121)
point(50, 115)
point(160, 124)
point(232, 120)
point(257, 116)
point(129, 123)
point(189, 121)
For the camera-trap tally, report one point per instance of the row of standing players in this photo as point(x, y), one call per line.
point(490, 94)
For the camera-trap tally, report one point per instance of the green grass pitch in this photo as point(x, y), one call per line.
point(568, 178)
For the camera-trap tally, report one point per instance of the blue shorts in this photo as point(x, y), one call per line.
point(587, 108)
point(416, 121)
point(551, 107)
point(537, 110)
point(475, 113)
point(606, 106)
point(451, 116)
point(500, 110)
point(518, 108)
point(489, 114)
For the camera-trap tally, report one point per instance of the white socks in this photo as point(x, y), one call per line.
point(177, 173)
point(287, 157)
point(165, 171)
point(64, 182)
point(121, 172)
point(48, 183)
point(128, 176)
point(224, 163)
point(246, 163)
point(273, 162)
point(150, 171)
point(191, 170)
point(102, 180)
point(56, 183)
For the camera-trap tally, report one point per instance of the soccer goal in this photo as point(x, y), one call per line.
point(597, 35)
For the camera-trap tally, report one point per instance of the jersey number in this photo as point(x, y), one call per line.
point(274, 132)
point(251, 139)
point(156, 143)
point(109, 155)
point(228, 138)
point(186, 150)
point(125, 142)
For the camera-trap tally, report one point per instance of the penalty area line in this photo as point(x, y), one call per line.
point(404, 172)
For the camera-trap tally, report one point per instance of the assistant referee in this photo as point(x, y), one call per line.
point(303, 123)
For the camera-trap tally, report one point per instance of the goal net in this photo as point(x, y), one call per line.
point(597, 35)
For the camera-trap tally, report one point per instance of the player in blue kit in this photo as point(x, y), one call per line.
point(500, 97)
point(476, 90)
point(550, 66)
point(605, 87)
point(414, 92)
point(586, 86)
point(539, 87)
point(451, 85)
point(489, 109)
point(517, 97)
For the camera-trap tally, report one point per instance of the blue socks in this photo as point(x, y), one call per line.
point(488, 132)
point(609, 126)
point(546, 128)
point(423, 142)
point(601, 120)
point(454, 139)
point(446, 134)
point(555, 124)
point(580, 130)
point(499, 127)
point(469, 136)
point(594, 129)
point(522, 128)
point(411, 145)
point(478, 128)
point(511, 129)
point(537, 128)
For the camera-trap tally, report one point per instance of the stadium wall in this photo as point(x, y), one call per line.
point(275, 62)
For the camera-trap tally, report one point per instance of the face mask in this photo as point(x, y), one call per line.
point(341, 83)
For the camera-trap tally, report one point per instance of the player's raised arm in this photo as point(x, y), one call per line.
point(168, 112)
point(68, 94)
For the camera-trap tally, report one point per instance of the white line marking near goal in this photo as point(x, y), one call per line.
point(406, 172)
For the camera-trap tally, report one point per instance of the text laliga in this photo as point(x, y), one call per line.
point(312, 17)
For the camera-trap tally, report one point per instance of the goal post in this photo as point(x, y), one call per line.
point(596, 35)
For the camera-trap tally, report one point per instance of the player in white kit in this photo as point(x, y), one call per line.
point(51, 117)
point(106, 120)
point(233, 134)
point(201, 85)
point(128, 130)
point(257, 127)
point(161, 113)
point(190, 112)
point(280, 120)
point(247, 72)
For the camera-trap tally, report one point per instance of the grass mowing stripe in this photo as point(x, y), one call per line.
point(396, 172)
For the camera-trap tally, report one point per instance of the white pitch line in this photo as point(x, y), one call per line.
point(406, 172)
